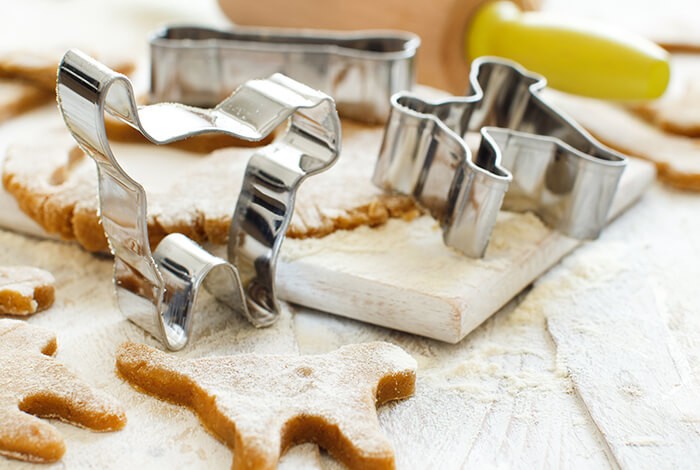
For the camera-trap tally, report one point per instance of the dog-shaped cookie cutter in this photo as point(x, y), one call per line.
point(361, 70)
point(158, 289)
point(531, 158)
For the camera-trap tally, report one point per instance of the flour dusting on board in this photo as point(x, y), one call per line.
point(414, 249)
point(482, 364)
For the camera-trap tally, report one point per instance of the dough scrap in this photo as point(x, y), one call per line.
point(40, 68)
point(25, 290)
point(28, 80)
point(678, 111)
point(259, 405)
point(17, 97)
point(677, 158)
point(675, 115)
point(55, 184)
point(34, 383)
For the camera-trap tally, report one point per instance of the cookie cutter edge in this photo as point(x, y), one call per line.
point(158, 289)
point(560, 171)
point(361, 70)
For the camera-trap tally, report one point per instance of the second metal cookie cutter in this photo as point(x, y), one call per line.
point(360, 70)
point(157, 289)
point(531, 158)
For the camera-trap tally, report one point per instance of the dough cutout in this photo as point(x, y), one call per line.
point(34, 383)
point(260, 405)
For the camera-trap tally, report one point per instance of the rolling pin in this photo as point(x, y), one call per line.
point(582, 58)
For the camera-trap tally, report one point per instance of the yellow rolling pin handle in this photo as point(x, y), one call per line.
point(581, 58)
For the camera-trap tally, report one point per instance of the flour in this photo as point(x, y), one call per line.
point(505, 363)
point(90, 328)
point(413, 254)
point(510, 353)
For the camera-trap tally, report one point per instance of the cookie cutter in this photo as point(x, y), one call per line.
point(360, 70)
point(531, 158)
point(158, 289)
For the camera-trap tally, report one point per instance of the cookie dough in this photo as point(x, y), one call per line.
point(676, 157)
point(25, 290)
point(56, 185)
point(260, 405)
point(17, 97)
point(34, 385)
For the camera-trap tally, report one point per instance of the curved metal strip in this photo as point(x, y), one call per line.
point(531, 158)
point(158, 289)
point(360, 70)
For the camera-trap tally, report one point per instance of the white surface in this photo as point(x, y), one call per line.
point(402, 276)
point(502, 397)
point(629, 371)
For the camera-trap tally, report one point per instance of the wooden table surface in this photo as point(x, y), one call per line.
point(594, 366)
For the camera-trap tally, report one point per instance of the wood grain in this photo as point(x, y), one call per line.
point(419, 285)
point(611, 335)
point(496, 399)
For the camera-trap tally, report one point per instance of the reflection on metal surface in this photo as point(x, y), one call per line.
point(531, 158)
point(360, 70)
point(158, 289)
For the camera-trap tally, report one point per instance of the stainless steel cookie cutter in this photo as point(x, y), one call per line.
point(531, 158)
point(360, 70)
point(157, 289)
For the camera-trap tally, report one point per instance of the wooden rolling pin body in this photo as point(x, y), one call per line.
point(441, 25)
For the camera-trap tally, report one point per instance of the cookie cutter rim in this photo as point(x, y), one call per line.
point(421, 132)
point(361, 70)
point(163, 285)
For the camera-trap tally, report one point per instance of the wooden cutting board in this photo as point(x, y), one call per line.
point(402, 276)
point(399, 275)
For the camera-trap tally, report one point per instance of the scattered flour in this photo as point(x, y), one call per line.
point(90, 328)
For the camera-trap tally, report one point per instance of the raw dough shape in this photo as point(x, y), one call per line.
point(678, 110)
point(40, 68)
point(25, 290)
point(676, 115)
point(56, 185)
point(34, 383)
point(17, 97)
point(677, 158)
point(28, 80)
point(259, 405)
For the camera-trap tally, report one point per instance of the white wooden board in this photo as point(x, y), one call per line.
point(507, 396)
point(402, 276)
point(399, 275)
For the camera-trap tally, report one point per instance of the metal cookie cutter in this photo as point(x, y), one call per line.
point(553, 167)
point(360, 70)
point(158, 289)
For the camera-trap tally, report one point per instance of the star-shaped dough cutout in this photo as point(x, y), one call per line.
point(259, 405)
point(34, 383)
